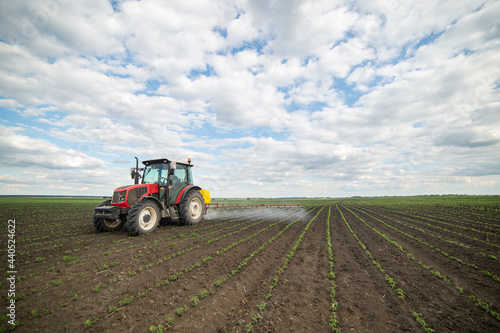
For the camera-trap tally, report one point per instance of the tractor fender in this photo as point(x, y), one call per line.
point(150, 197)
point(184, 191)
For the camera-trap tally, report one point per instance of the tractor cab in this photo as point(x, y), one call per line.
point(166, 191)
point(170, 176)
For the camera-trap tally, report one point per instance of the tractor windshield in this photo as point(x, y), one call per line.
point(156, 174)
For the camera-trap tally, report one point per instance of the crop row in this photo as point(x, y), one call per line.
point(488, 308)
point(432, 220)
point(435, 267)
point(392, 283)
point(239, 267)
point(463, 216)
point(334, 320)
point(435, 248)
point(262, 306)
point(69, 258)
point(446, 230)
point(206, 260)
point(107, 266)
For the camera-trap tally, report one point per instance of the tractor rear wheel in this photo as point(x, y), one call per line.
point(143, 218)
point(192, 208)
point(104, 225)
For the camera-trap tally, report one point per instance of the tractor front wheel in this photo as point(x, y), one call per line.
point(143, 218)
point(192, 208)
point(104, 225)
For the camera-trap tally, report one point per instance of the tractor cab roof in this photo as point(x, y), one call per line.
point(166, 160)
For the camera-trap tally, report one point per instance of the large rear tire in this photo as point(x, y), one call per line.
point(106, 225)
point(143, 218)
point(192, 208)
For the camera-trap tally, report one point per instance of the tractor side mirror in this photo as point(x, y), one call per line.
point(134, 173)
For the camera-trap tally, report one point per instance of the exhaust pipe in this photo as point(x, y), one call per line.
point(134, 172)
point(136, 176)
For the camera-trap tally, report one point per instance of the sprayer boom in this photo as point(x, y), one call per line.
point(216, 206)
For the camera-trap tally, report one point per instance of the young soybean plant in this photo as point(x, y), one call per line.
point(155, 329)
point(194, 301)
point(422, 322)
point(89, 322)
point(180, 311)
point(169, 321)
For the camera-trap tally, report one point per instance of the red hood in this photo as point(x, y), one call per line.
point(143, 190)
point(122, 188)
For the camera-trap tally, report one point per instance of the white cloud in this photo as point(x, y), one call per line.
point(69, 80)
point(53, 28)
point(281, 97)
point(301, 28)
point(23, 151)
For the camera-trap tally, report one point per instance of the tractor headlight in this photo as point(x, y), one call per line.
point(121, 199)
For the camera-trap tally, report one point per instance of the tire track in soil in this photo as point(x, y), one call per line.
point(467, 277)
point(234, 301)
point(366, 302)
point(442, 306)
point(301, 299)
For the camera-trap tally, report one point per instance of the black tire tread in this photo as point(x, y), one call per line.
point(184, 216)
point(133, 215)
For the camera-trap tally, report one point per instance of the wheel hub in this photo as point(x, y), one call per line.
point(147, 218)
point(195, 208)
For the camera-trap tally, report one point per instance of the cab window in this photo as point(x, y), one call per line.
point(180, 173)
point(156, 174)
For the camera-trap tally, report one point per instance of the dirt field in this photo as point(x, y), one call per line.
point(349, 266)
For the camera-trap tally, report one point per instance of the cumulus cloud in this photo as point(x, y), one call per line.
point(278, 97)
point(23, 151)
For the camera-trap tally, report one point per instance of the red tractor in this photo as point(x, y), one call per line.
point(166, 192)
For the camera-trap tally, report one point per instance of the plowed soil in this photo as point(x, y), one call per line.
point(396, 269)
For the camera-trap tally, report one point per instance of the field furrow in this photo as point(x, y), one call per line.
point(364, 296)
point(357, 264)
point(429, 288)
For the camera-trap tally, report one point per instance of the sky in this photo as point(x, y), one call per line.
point(269, 98)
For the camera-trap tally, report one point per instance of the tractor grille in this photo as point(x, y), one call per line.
point(117, 195)
point(135, 194)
